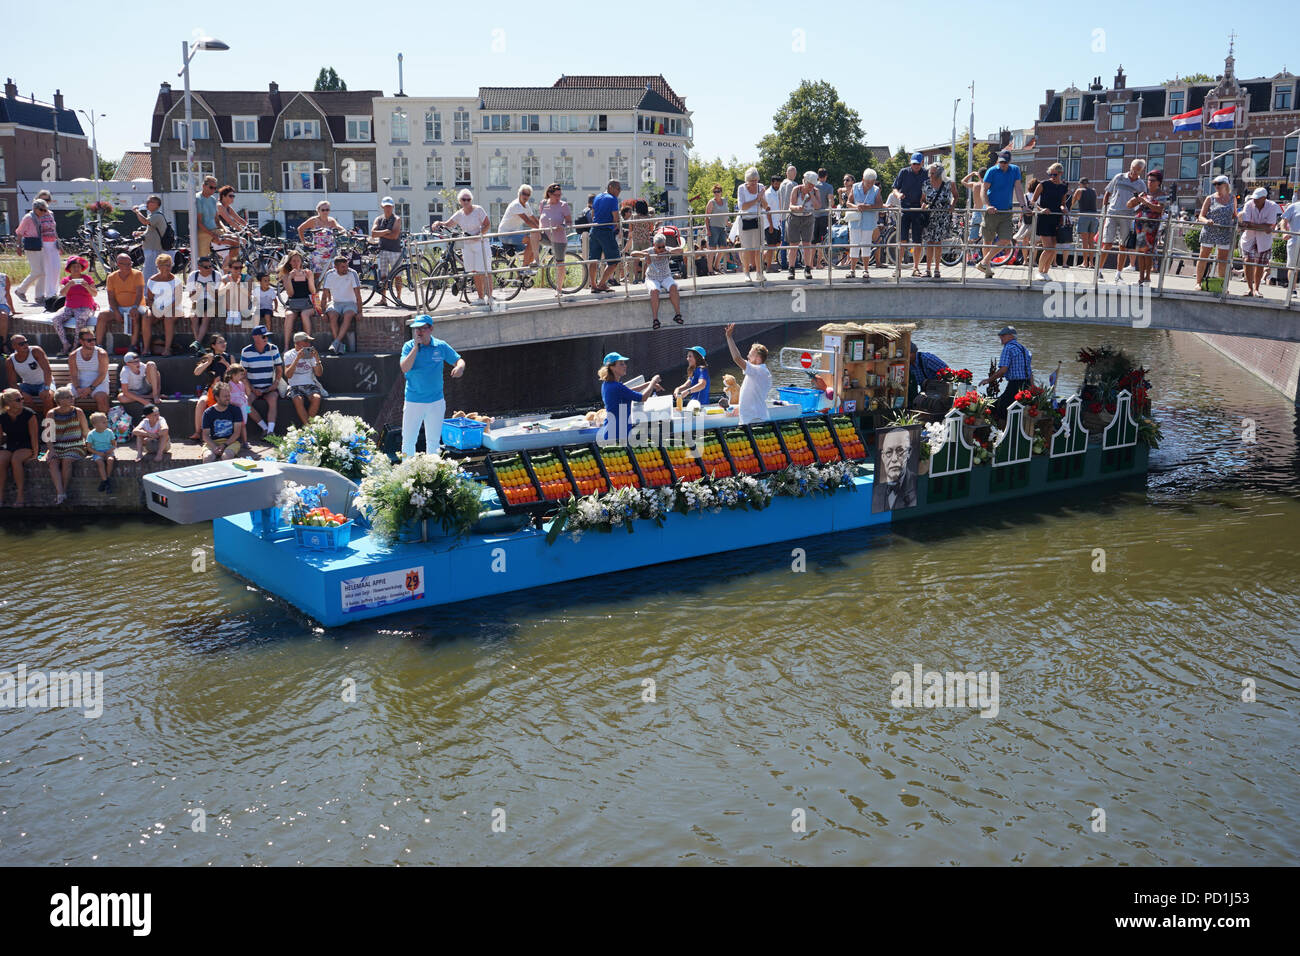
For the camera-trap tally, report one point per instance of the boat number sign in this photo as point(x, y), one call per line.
point(378, 590)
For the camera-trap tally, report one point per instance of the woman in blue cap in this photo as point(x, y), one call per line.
point(618, 398)
point(422, 360)
point(697, 377)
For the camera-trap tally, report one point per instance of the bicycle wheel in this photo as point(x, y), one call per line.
point(436, 285)
point(404, 288)
point(950, 253)
point(369, 277)
point(507, 277)
point(573, 279)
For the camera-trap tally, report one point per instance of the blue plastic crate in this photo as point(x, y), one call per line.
point(323, 539)
point(462, 433)
point(805, 398)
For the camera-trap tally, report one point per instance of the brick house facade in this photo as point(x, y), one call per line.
point(30, 144)
point(1097, 132)
point(283, 151)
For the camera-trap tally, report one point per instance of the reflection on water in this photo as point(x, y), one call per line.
point(1119, 690)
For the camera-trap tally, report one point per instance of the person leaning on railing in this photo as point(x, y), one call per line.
point(750, 205)
point(1149, 210)
point(804, 202)
point(862, 214)
point(1259, 217)
point(1004, 188)
point(1217, 217)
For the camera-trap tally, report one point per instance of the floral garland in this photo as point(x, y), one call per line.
point(623, 507)
point(342, 443)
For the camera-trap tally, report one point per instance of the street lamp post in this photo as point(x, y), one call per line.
point(953, 172)
point(94, 148)
point(188, 50)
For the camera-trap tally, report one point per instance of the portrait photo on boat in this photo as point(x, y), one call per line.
point(898, 456)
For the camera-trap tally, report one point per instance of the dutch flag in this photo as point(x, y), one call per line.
point(1225, 118)
point(1189, 122)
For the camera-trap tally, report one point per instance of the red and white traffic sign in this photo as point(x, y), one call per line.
point(806, 360)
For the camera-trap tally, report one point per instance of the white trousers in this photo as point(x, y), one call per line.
point(428, 414)
point(53, 268)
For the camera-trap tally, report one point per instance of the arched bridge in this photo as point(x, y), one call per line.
point(536, 315)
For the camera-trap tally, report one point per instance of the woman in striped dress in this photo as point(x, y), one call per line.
point(66, 430)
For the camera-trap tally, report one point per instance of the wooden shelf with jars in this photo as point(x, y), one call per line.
point(872, 367)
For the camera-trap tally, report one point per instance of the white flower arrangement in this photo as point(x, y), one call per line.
point(342, 443)
point(622, 507)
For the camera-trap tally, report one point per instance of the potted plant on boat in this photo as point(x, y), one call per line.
point(422, 497)
point(342, 443)
point(977, 414)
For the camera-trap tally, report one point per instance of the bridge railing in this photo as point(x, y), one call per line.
point(958, 244)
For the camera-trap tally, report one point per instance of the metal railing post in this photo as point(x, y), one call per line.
point(1169, 248)
point(898, 247)
point(965, 238)
point(1033, 260)
point(1096, 264)
point(690, 255)
point(1227, 272)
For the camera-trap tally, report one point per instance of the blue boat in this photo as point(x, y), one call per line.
point(369, 578)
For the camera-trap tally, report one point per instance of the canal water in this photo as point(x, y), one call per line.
point(227, 737)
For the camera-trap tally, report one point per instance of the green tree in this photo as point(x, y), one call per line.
point(328, 81)
point(108, 168)
point(1192, 78)
point(814, 128)
point(701, 175)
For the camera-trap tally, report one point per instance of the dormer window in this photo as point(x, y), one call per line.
point(1117, 117)
point(1072, 108)
point(1282, 96)
point(1177, 102)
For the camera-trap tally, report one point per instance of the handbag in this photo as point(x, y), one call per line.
point(746, 223)
point(1065, 232)
point(31, 243)
point(54, 303)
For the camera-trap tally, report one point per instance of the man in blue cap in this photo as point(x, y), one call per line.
point(907, 187)
point(1015, 364)
point(618, 398)
point(265, 367)
point(422, 360)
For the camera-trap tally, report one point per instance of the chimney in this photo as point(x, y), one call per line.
point(274, 89)
point(1096, 83)
point(11, 89)
point(58, 101)
point(1050, 94)
point(1119, 78)
point(165, 95)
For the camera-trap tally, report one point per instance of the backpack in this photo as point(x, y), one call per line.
point(168, 237)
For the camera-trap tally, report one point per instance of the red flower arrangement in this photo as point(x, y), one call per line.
point(947, 374)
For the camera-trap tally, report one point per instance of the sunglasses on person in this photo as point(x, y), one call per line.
point(87, 338)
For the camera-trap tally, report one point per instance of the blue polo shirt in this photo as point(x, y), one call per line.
point(604, 209)
point(424, 380)
point(700, 374)
point(910, 184)
point(618, 399)
point(1002, 185)
point(206, 208)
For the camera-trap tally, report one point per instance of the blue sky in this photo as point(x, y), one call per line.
point(734, 64)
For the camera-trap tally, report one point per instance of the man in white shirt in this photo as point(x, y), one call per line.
point(203, 285)
point(518, 225)
point(341, 299)
point(775, 222)
point(1258, 217)
point(757, 383)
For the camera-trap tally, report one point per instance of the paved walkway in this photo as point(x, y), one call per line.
point(1005, 277)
